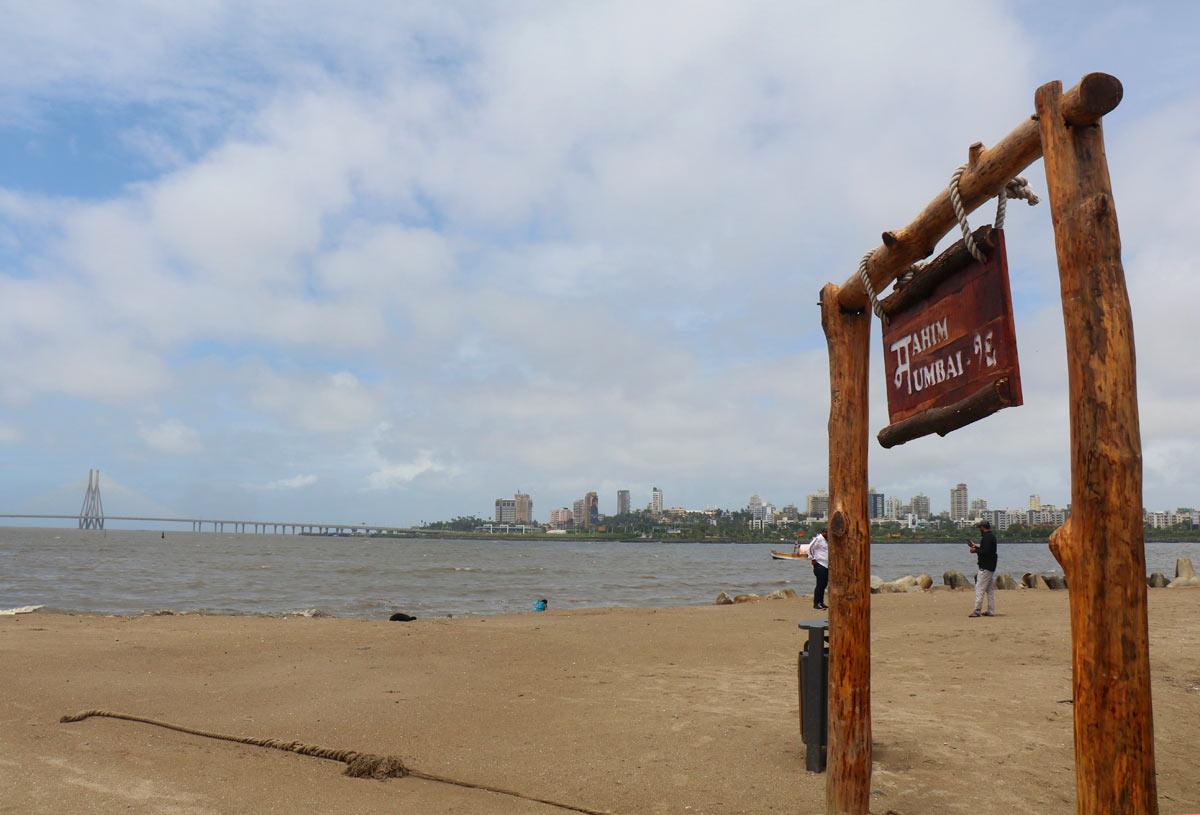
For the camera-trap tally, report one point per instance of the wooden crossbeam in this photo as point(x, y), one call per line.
point(988, 171)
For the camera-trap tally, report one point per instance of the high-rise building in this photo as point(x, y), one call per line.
point(1035, 502)
point(561, 517)
point(515, 510)
point(920, 507)
point(656, 500)
point(1002, 519)
point(506, 511)
point(959, 505)
point(817, 504)
point(979, 508)
point(587, 511)
point(524, 508)
point(874, 503)
point(622, 502)
point(891, 509)
point(1046, 515)
point(756, 508)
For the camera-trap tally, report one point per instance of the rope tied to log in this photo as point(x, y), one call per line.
point(358, 765)
point(1016, 188)
point(865, 276)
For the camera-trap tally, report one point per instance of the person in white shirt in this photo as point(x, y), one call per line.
point(818, 553)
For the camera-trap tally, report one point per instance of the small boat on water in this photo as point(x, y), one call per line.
point(777, 555)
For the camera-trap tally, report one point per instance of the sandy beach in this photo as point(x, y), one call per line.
point(684, 710)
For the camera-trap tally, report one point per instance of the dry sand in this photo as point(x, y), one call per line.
point(687, 710)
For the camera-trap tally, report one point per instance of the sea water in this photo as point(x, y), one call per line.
point(133, 572)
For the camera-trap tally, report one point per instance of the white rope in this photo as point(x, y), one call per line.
point(1016, 188)
point(909, 273)
point(865, 276)
point(961, 214)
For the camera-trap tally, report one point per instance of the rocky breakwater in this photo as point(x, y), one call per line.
point(727, 599)
point(922, 582)
point(1004, 582)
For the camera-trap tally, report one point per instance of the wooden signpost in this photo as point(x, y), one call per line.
point(1101, 548)
point(949, 346)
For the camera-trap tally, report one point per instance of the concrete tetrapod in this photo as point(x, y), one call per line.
point(1185, 575)
point(956, 580)
point(1032, 580)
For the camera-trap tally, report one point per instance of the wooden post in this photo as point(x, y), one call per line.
point(1101, 548)
point(848, 781)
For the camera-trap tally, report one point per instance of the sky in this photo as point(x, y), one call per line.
point(388, 262)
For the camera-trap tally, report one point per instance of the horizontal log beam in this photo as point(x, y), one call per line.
point(955, 258)
point(987, 173)
point(984, 402)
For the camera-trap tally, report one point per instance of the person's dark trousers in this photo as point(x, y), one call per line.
point(822, 573)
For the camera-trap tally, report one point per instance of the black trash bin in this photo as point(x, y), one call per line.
point(813, 670)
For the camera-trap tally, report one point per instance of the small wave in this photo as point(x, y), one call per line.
point(308, 612)
point(11, 612)
point(432, 570)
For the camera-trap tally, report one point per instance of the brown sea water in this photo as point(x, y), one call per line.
point(132, 572)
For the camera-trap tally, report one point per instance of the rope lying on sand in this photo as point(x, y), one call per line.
point(358, 765)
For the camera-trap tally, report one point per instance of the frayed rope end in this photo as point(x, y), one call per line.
point(366, 765)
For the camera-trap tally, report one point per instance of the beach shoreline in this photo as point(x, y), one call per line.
point(688, 709)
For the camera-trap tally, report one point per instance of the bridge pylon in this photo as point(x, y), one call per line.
point(91, 514)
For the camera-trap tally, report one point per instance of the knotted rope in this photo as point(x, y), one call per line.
point(358, 765)
point(1016, 188)
point(865, 276)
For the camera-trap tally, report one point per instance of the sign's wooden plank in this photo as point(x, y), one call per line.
point(954, 343)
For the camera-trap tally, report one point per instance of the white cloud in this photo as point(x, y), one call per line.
point(296, 482)
point(324, 403)
point(560, 244)
point(393, 475)
point(49, 343)
point(172, 436)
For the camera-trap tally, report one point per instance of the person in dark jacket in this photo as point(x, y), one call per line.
point(985, 582)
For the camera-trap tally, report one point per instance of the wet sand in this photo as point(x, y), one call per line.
point(684, 710)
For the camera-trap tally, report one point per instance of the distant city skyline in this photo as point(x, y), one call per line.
point(587, 512)
point(881, 504)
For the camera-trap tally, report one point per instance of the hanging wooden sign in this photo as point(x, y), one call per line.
point(949, 345)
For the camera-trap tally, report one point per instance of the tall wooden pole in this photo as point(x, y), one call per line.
point(1101, 548)
point(848, 783)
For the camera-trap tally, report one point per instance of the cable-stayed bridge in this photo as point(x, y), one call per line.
point(91, 516)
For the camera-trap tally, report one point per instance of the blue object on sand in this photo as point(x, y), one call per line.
point(539, 604)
